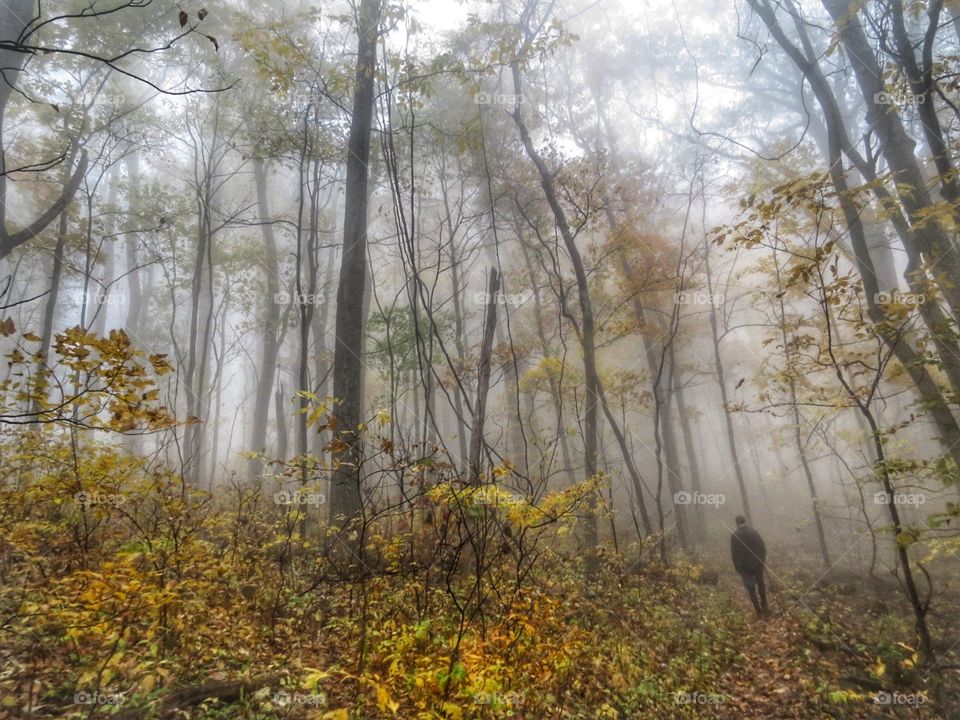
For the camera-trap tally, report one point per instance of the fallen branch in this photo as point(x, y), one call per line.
point(226, 691)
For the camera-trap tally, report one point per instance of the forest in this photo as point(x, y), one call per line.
point(454, 360)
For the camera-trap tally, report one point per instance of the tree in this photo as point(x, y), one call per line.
point(585, 323)
point(345, 497)
point(23, 25)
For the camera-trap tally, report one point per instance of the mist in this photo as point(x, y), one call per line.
point(507, 359)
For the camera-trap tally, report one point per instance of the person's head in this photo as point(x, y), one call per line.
point(741, 521)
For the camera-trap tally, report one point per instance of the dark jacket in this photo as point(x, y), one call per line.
point(748, 551)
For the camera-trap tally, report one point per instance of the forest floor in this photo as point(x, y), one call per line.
point(812, 645)
point(661, 647)
point(780, 671)
point(699, 653)
point(215, 624)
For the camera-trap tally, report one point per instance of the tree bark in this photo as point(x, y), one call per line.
point(898, 149)
point(345, 497)
point(689, 444)
point(321, 352)
point(135, 301)
point(269, 341)
point(483, 378)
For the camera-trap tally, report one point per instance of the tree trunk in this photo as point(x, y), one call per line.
point(898, 149)
point(671, 466)
point(483, 378)
point(689, 445)
point(555, 389)
point(724, 398)
point(102, 290)
point(585, 330)
point(458, 406)
point(345, 497)
point(53, 298)
point(269, 341)
point(795, 408)
point(306, 295)
point(14, 20)
point(458, 319)
point(838, 144)
point(321, 352)
point(218, 392)
point(135, 301)
point(280, 409)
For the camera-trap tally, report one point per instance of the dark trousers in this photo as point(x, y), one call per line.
point(753, 582)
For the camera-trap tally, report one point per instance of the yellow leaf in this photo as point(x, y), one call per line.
point(86, 678)
point(314, 677)
point(383, 698)
point(148, 683)
point(339, 714)
point(452, 710)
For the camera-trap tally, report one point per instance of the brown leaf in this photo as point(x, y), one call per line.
point(184, 18)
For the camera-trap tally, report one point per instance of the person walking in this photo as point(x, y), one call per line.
point(749, 555)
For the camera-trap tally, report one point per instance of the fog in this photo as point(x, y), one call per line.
point(479, 359)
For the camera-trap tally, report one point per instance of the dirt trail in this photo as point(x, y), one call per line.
point(781, 670)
